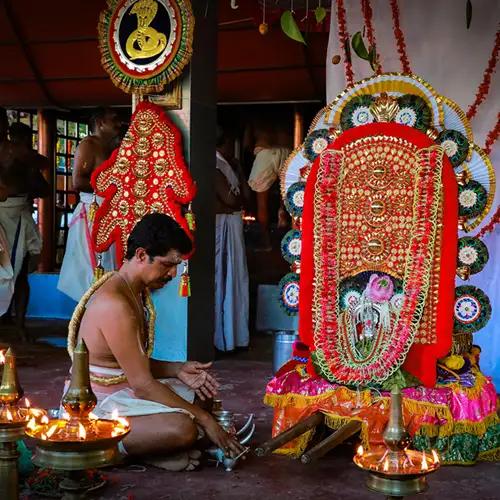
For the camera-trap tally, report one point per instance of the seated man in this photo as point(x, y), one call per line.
point(163, 417)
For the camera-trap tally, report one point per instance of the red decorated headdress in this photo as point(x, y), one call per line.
point(147, 173)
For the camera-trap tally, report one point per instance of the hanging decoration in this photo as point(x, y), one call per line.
point(492, 136)
point(146, 174)
point(145, 44)
point(400, 38)
point(344, 42)
point(319, 13)
point(370, 35)
point(289, 25)
point(185, 282)
point(263, 27)
point(484, 86)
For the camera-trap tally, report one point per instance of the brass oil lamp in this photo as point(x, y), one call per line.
point(395, 470)
point(80, 440)
point(13, 420)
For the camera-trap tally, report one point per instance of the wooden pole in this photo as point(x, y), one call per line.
point(46, 128)
point(292, 433)
point(333, 440)
point(298, 127)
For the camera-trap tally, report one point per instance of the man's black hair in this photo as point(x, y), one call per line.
point(4, 123)
point(158, 234)
point(98, 114)
point(19, 131)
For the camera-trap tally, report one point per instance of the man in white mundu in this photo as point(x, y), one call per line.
point(80, 258)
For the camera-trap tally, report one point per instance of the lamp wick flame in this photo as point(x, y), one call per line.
point(2, 357)
point(360, 451)
point(27, 403)
point(10, 418)
point(424, 462)
point(435, 456)
point(82, 433)
point(386, 464)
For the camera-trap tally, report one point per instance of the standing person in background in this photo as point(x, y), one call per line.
point(265, 172)
point(80, 260)
point(21, 234)
point(231, 272)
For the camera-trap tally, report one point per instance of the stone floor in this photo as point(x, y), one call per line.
point(243, 375)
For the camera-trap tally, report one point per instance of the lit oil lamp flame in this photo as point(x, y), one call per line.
point(435, 456)
point(122, 421)
point(114, 433)
point(93, 416)
point(43, 436)
point(2, 358)
point(360, 451)
point(8, 413)
point(82, 433)
point(27, 403)
point(51, 431)
point(424, 462)
point(65, 415)
point(44, 420)
point(386, 465)
point(32, 424)
point(114, 414)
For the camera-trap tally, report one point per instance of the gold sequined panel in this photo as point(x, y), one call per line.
point(376, 206)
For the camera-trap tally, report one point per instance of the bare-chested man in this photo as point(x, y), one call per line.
point(163, 417)
point(21, 233)
point(79, 258)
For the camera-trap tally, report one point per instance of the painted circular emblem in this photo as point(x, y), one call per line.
point(289, 293)
point(145, 43)
point(291, 245)
point(472, 309)
point(455, 145)
point(406, 116)
point(472, 253)
point(294, 199)
point(472, 199)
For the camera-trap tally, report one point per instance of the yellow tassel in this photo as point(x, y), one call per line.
point(93, 209)
point(185, 283)
point(99, 270)
point(191, 219)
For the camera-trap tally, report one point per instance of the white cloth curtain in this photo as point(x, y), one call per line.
point(452, 59)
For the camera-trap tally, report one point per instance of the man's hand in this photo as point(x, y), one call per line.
point(228, 444)
point(196, 376)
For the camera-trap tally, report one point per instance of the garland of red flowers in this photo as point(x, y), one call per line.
point(370, 33)
point(484, 87)
point(490, 226)
point(492, 136)
point(344, 42)
point(400, 39)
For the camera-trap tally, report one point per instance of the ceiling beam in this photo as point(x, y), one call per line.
point(11, 18)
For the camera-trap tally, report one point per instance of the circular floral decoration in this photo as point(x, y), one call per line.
point(289, 293)
point(350, 299)
point(397, 301)
point(294, 199)
point(472, 309)
point(472, 199)
point(455, 145)
point(316, 142)
point(291, 245)
point(413, 112)
point(472, 253)
point(357, 112)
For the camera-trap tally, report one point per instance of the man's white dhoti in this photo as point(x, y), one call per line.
point(80, 259)
point(20, 237)
point(231, 283)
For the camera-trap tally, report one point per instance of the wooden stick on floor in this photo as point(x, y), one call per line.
point(333, 440)
point(294, 431)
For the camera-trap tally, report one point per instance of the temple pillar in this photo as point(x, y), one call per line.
point(46, 132)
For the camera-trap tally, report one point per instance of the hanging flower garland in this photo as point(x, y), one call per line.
point(484, 87)
point(370, 32)
point(492, 136)
point(344, 42)
point(400, 39)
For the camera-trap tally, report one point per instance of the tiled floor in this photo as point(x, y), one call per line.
point(42, 369)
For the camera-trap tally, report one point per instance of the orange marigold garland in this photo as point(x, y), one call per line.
point(400, 39)
point(370, 32)
point(484, 87)
point(344, 42)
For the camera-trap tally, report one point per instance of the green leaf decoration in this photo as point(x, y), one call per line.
point(290, 28)
point(320, 13)
point(468, 13)
point(359, 46)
